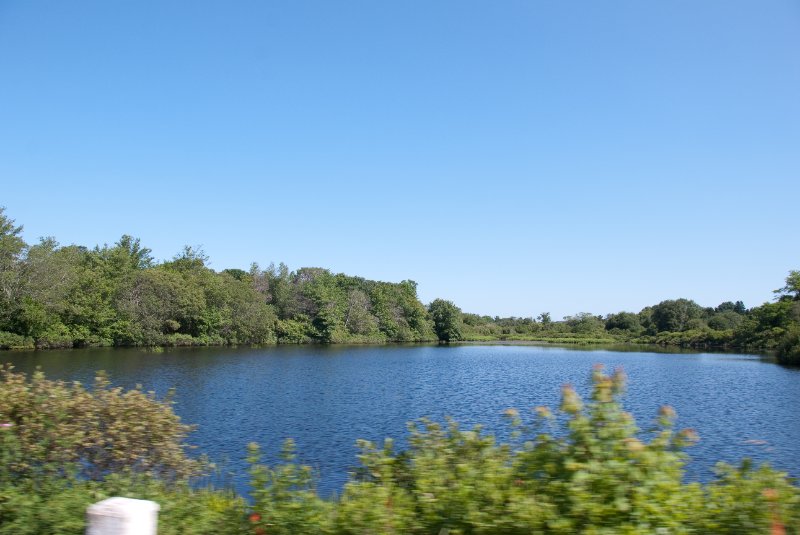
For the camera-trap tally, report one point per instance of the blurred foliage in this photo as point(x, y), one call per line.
point(593, 472)
point(64, 447)
point(584, 468)
point(52, 428)
point(59, 506)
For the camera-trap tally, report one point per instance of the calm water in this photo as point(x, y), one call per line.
point(327, 397)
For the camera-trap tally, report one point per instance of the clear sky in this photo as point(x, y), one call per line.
point(514, 157)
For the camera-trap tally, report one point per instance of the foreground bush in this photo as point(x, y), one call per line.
point(596, 474)
point(585, 468)
point(53, 428)
point(64, 447)
point(59, 506)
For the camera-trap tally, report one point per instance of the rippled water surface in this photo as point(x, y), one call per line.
point(327, 397)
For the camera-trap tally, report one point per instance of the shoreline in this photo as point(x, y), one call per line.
point(592, 345)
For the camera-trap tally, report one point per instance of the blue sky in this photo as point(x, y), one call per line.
point(515, 157)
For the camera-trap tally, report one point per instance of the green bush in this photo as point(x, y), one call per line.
point(15, 341)
point(64, 447)
point(284, 498)
point(597, 475)
point(585, 468)
point(294, 331)
point(57, 429)
point(59, 506)
point(789, 347)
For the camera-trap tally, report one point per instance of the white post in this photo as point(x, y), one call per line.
point(122, 516)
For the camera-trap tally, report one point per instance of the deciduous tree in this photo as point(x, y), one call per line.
point(446, 320)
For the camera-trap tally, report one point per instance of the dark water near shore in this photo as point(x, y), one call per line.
point(327, 397)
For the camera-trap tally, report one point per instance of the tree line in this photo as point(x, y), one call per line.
point(682, 322)
point(117, 295)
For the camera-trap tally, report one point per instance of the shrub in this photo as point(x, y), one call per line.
point(284, 498)
point(585, 468)
point(15, 341)
point(59, 506)
point(53, 428)
point(294, 331)
point(597, 474)
point(64, 447)
point(789, 347)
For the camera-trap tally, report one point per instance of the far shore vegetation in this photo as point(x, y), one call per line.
point(56, 296)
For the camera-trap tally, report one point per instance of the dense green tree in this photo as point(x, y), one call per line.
point(623, 321)
point(260, 280)
point(725, 320)
point(385, 312)
point(189, 259)
point(766, 326)
point(446, 320)
point(792, 288)
point(128, 254)
point(12, 248)
point(277, 283)
point(358, 317)
point(238, 274)
point(729, 306)
point(51, 275)
point(91, 315)
point(778, 315)
point(248, 319)
point(789, 346)
point(413, 311)
point(584, 323)
point(158, 302)
point(327, 302)
point(675, 315)
point(11, 243)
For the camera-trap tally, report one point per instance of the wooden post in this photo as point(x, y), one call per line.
point(122, 516)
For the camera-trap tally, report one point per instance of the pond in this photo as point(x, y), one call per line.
point(326, 397)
